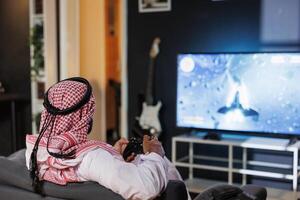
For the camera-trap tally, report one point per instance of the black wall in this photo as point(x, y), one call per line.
point(191, 26)
point(14, 68)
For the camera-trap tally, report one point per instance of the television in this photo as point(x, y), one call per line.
point(243, 92)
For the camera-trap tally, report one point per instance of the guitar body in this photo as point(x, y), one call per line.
point(149, 118)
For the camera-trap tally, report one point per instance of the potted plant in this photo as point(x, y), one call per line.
point(37, 42)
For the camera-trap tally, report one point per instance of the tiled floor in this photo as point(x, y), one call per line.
point(276, 194)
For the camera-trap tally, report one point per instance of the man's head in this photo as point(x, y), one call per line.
point(65, 122)
point(73, 104)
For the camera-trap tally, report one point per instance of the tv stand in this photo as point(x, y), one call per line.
point(230, 163)
point(212, 136)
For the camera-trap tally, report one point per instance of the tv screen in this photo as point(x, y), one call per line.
point(252, 92)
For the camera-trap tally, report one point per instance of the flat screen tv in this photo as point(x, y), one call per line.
point(248, 92)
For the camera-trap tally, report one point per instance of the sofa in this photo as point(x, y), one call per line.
point(15, 184)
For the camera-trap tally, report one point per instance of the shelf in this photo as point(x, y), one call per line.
point(263, 174)
point(273, 144)
point(249, 162)
point(38, 16)
point(197, 166)
point(231, 165)
point(239, 171)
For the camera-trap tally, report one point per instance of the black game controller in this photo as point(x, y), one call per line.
point(135, 146)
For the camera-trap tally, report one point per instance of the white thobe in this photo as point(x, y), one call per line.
point(144, 178)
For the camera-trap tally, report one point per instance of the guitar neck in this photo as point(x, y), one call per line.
point(149, 90)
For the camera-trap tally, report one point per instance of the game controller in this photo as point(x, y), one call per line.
point(135, 146)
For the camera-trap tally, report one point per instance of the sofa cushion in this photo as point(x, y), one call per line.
point(256, 191)
point(219, 192)
point(13, 193)
point(13, 172)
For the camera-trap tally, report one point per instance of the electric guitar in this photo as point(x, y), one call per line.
point(149, 119)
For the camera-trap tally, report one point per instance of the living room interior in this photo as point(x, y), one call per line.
point(216, 81)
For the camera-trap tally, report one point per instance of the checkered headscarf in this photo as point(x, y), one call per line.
point(68, 131)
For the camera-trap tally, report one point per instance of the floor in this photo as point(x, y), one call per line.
point(276, 194)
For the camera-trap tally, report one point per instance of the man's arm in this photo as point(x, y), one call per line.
point(143, 181)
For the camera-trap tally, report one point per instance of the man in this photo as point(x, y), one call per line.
point(62, 153)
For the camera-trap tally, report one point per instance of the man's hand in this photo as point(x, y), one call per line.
point(120, 145)
point(152, 145)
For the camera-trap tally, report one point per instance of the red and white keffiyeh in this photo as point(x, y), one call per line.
point(69, 133)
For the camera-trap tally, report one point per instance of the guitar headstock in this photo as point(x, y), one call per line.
point(155, 48)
